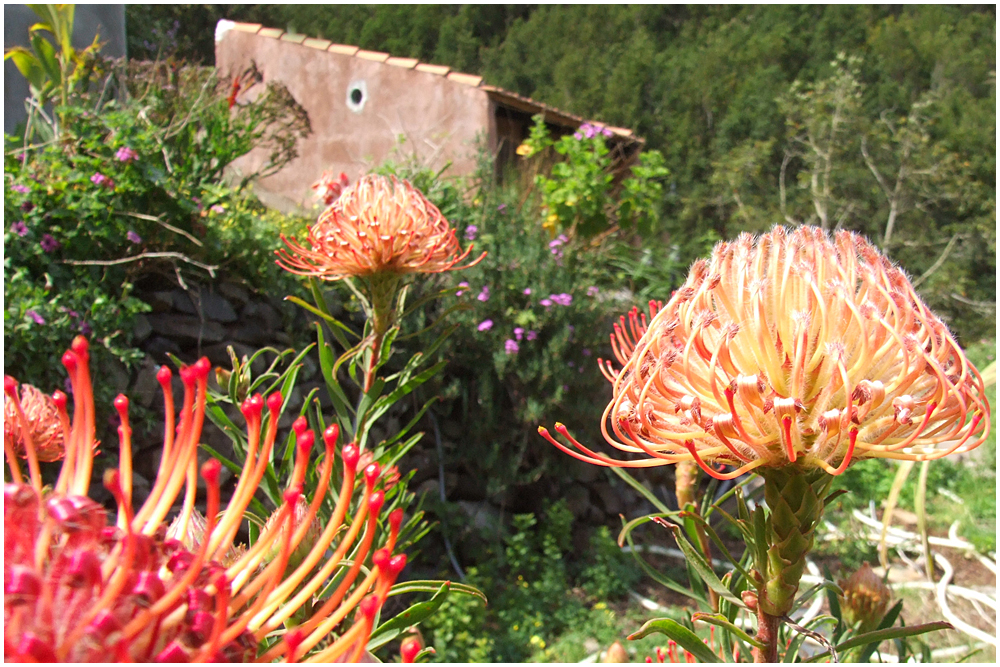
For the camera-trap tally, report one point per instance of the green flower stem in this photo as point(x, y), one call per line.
point(795, 499)
point(382, 289)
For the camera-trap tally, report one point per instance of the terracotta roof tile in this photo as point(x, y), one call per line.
point(253, 28)
point(294, 39)
point(377, 56)
point(408, 63)
point(274, 33)
point(440, 70)
point(467, 79)
point(321, 44)
point(343, 49)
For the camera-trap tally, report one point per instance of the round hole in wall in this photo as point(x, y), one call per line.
point(357, 95)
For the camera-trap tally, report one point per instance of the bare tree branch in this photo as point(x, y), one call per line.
point(145, 255)
point(937, 263)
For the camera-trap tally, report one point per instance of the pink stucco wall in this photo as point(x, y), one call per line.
point(439, 118)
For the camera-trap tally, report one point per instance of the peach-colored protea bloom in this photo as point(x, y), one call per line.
point(790, 348)
point(77, 589)
point(377, 225)
point(41, 415)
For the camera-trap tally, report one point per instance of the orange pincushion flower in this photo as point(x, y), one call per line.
point(44, 428)
point(80, 590)
point(375, 226)
point(790, 348)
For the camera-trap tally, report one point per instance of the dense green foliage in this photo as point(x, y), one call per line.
point(132, 190)
point(713, 88)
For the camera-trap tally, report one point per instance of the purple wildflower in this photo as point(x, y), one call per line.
point(585, 351)
point(510, 346)
point(19, 228)
point(592, 291)
point(102, 181)
point(485, 294)
point(23, 189)
point(49, 243)
point(470, 232)
point(464, 286)
point(577, 136)
point(36, 317)
point(216, 208)
point(607, 132)
point(502, 208)
point(133, 237)
point(527, 291)
point(531, 335)
point(485, 325)
point(27, 207)
point(126, 154)
point(545, 302)
point(85, 329)
point(561, 299)
point(518, 332)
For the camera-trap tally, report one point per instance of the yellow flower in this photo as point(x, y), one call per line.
point(524, 150)
point(791, 348)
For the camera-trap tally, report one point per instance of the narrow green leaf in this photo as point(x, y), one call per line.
point(431, 586)
point(879, 636)
point(719, 543)
point(686, 639)
point(395, 626)
point(723, 622)
point(704, 570)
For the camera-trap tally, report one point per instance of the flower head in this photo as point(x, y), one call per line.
point(518, 333)
point(593, 291)
point(791, 348)
point(40, 424)
point(865, 598)
point(470, 232)
point(510, 346)
point(49, 243)
point(328, 188)
point(484, 295)
point(485, 325)
point(531, 335)
point(126, 154)
point(133, 237)
point(19, 228)
point(78, 589)
point(102, 181)
point(35, 317)
point(23, 189)
point(377, 225)
point(464, 285)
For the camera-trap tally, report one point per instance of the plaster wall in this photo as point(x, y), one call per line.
point(440, 119)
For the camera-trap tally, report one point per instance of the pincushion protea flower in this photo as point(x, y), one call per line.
point(45, 431)
point(77, 589)
point(376, 226)
point(789, 349)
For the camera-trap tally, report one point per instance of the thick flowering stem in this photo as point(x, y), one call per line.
point(382, 290)
point(795, 499)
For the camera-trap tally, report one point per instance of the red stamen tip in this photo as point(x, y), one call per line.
point(252, 407)
point(121, 405)
point(210, 471)
point(174, 652)
point(163, 376)
point(331, 434)
point(561, 429)
point(305, 443)
point(409, 649)
point(351, 456)
point(376, 501)
point(300, 426)
point(69, 361)
point(274, 401)
point(369, 607)
point(80, 346)
point(395, 520)
point(372, 473)
point(202, 368)
point(381, 559)
point(113, 482)
point(188, 376)
point(293, 494)
point(396, 565)
point(59, 399)
point(9, 384)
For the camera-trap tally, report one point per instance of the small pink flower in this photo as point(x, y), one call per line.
point(464, 286)
point(510, 346)
point(102, 181)
point(518, 332)
point(49, 243)
point(126, 154)
point(470, 232)
point(133, 237)
point(19, 228)
point(23, 189)
point(527, 291)
point(36, 317)
point(546, 302)
point(531, 335)
point(485, 325)
point(216, 208)
point(485, 294)
point(592, 291)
